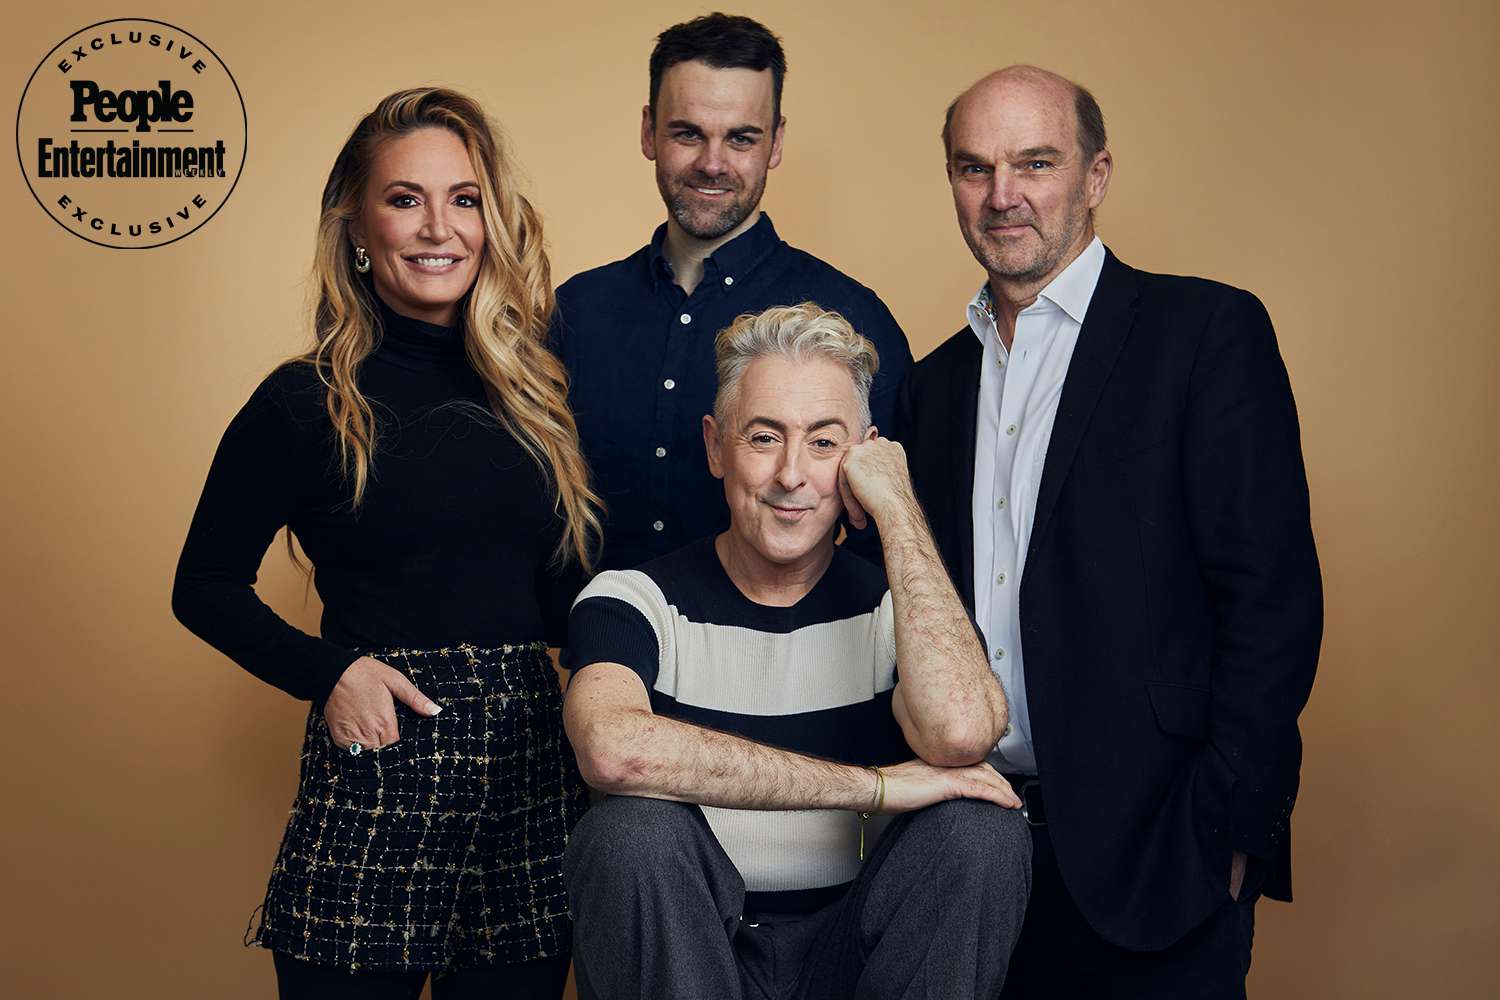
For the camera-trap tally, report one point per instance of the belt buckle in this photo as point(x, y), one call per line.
point(1035, 815)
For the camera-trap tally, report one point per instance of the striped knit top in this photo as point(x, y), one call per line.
point(815, 678)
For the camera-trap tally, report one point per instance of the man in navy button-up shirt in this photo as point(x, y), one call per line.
point(638, 335)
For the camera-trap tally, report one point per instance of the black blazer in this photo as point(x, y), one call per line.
point(1171, 604)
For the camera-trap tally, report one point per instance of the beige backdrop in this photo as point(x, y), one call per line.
point(1339, 159)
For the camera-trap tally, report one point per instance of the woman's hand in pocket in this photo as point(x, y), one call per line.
point(362, 707)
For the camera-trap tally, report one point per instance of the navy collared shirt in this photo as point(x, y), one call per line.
point(640, 357)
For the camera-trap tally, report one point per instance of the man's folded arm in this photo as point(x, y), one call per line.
point(624, 748)
point(948, 703)
point(615, 637)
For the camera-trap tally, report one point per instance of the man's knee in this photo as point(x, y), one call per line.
point(985, 853)
point(977, 834)
point(623, 834)
point(973, 858)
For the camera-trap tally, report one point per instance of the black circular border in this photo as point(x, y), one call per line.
point(244, 118)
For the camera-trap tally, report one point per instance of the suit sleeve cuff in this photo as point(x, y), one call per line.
point(1260, 827)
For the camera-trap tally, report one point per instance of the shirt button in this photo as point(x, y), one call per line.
point(999, 577)
point(658, 526)
point(1007, 731)
point(685, 319)
point(1011, 430)
point(1000, 504)
point(999, 653)
point(669, 384)
point(728, 280)
point(661, 453)
point(1000, 362)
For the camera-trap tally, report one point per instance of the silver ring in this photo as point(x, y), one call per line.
point(355, 749)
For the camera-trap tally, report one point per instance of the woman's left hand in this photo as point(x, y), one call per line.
point(362, 707)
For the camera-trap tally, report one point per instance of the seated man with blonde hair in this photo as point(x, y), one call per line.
point(757, 704)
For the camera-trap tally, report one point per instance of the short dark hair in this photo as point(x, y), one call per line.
point(723, 41)
point(1090, 117)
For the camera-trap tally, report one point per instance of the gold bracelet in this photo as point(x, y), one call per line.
point(879, 804)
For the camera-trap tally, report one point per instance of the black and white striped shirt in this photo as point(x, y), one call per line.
point(815, 678)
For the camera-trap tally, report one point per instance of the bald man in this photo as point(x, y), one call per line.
point(1111, 463)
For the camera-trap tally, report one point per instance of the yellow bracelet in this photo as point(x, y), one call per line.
point(879, 804)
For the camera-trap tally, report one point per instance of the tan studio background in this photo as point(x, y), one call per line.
point(1339, 159)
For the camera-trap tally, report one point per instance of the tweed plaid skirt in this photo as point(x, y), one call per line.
point(444, 849)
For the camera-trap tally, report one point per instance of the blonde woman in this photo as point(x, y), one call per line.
point(423, 455)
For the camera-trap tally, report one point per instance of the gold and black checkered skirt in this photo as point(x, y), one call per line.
point(444, 849)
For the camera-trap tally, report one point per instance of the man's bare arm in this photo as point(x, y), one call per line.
point(948, 702)
point(623, 748)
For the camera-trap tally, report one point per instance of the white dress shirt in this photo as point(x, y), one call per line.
point(1018, 394)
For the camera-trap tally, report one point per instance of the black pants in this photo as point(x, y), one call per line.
point(540, 980)
point(658, 911)
point(1059, 956)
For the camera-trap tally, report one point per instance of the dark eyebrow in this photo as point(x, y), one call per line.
point(417, 187)
point(1033, 152)
point(964, 156)
point(736, 130)
point(828, 422)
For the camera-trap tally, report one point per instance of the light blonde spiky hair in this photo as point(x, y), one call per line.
point(799, 333)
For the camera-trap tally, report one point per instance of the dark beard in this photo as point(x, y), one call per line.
point(716, 225)
point(720, 222)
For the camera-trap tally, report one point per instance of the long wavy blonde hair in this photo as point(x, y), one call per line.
point(505, 319)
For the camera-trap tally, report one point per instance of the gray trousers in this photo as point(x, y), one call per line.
point(658, 911)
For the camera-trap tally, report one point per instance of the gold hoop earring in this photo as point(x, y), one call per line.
point(361, 260)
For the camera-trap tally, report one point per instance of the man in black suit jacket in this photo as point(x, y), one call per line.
point(1146, 574)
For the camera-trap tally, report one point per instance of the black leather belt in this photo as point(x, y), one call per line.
point(1029, 789)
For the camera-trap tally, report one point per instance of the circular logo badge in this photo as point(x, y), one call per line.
point(131, 133)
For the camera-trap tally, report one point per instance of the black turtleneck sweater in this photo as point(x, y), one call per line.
point(452, 543)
